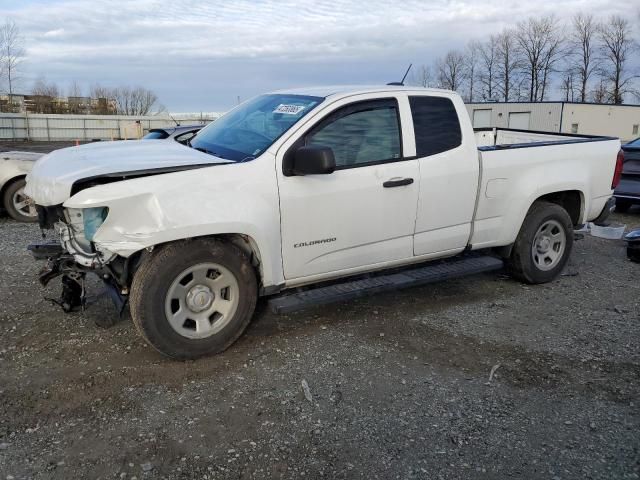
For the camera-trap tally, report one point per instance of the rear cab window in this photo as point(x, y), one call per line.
point(436, 125)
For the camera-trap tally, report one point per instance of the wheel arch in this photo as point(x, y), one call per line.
point(246, 243)
point(571, 200)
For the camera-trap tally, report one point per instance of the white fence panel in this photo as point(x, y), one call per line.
point(45, 127)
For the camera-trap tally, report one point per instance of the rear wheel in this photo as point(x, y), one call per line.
point(18, 205)
point(622, 206)
point(543, 245)
point(193, 298)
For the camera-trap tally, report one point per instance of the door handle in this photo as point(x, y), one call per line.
point(399, 182)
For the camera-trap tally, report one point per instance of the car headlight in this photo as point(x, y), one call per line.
point(92, 219)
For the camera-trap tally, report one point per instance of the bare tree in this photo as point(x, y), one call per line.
point(539, 43)
point(617, 46)
point(582, 54)
point(600, 93)
point(508, 63)
point(451, 70)
point(488, 53)
point(45, 96)
point(421, 76)
point(471, 65)
point(134, 101)
point(42, 87)
point(568, 87)
point(75, 90)
point(103, 101)
point(98, 91)
point(11, 43)
point(76, 103)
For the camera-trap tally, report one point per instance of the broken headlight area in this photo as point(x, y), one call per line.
point(75, 254)
point(76, 235)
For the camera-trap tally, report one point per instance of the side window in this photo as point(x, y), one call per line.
point(360, 134)
point(436, 125)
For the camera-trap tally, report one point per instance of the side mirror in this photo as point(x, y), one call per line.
point(313, 160)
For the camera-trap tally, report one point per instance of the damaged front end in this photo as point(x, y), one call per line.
point(74, 254)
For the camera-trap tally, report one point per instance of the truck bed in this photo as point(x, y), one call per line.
point(517, 167)
point(503, 138)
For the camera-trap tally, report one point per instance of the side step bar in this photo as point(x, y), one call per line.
point(348, 290)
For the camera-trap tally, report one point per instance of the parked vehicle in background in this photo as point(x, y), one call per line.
point(296, 188)
point(628, 192)
point(179, 133)
point(14, 167)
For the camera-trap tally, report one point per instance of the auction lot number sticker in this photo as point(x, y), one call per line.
point(289, 109)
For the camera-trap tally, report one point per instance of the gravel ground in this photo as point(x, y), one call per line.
point(400, 384)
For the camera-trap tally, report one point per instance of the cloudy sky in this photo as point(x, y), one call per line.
point(200, 55)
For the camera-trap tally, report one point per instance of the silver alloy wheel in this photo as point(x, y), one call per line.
point(24, 204)
point(548, 245)
point(202, 300)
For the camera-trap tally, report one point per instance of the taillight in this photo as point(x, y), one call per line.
point(617, 174)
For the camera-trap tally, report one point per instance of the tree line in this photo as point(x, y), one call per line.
point(97, 99)
point(47, 97)
point(586, 60)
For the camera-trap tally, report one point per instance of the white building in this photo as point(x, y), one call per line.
point(622, 121)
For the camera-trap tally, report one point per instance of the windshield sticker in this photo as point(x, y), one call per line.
point(289, 109)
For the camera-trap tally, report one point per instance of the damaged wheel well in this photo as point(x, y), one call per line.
point(244, 242)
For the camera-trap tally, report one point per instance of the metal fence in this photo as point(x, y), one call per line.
point(51, 127)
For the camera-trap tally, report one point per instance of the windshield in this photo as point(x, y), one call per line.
point(247, 131)
point(635, 143)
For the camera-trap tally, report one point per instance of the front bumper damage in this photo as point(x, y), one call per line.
point(74, 294)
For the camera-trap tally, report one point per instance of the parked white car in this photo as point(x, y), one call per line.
point(296, 188)
point(14, 167)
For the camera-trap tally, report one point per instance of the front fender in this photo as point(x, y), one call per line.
point(223, 199)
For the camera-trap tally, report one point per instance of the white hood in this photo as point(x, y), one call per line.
point(53, 176)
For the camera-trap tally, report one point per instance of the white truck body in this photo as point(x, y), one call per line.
point(304, 229)
point(296, 188)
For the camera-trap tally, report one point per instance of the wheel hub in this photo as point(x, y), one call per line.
point(199, 298)
point(544, 244)
point(548, 245)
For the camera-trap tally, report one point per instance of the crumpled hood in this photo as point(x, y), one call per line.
point(52, 177)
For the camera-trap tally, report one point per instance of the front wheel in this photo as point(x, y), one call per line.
point(543, 245)
point(193, 298)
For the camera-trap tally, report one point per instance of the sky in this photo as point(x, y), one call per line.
point(201, 55)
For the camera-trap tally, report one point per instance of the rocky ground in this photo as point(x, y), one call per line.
point(481, 377)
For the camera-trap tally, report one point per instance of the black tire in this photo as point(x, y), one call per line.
point(622, 206)
point(522, 264)
point(159, 271)
point(9, 206)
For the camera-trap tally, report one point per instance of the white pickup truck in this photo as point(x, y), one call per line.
point(309, 196)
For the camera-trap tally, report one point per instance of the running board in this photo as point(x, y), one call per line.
point(348, 290)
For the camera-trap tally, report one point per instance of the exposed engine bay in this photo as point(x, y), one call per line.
point(72, 255)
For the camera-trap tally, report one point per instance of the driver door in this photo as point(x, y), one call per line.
point(361, 215)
